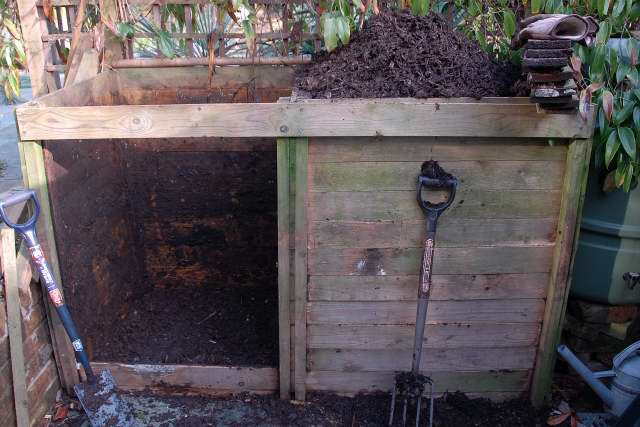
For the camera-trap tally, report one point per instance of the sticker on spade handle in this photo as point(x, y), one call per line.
point(37, 256)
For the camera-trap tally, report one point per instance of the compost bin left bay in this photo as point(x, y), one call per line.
point(167, 248)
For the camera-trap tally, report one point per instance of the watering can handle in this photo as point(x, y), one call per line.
point(624, 354)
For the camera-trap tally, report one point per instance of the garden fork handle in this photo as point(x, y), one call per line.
point(424, 289)
point(28, 231)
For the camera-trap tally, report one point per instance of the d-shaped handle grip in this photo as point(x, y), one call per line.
point(14, 199)
point(426, 182)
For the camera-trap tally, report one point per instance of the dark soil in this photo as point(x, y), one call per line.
point(197, 325)
point(398, 54)
point(452, 410)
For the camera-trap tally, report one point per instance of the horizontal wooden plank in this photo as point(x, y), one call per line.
point(404, 312)
point(465, 381)
point(328, 261)
point(437, 335)
point(444, 287)
point(399, 176)
point(402, 205)
point(451, 232)
point(216, 378)
point(410, 149)
point(434, 360)
point(349, 118)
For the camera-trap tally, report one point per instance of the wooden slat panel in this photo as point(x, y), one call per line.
point(399, 176)
point(401, 205)
point(460, 359)
point(445, 287)
point(469, 381)
point(439, 335)
point(451, 232)
point(349, 118)
point(218, 378)
point(401, 312)
point(405, 261)
point(443, 148)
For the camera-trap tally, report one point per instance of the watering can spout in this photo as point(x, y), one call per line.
point(592, 379)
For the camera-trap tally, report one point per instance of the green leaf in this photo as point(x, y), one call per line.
point(597, 65)
point(509, 22)
point(636, 117)
point(344, 29)
point(165, 44)
point(628, 178)
point(633, 76)
point(14, 83)
point(635, 12)
point(622, 114)
point(329, 31)
point(618, 7)
point(628, 141)
point(603, 7)
point(611, 148)
point(536, 6)
point(621, 72)
point(602, 36)
point(125, 30)
point(420, 7)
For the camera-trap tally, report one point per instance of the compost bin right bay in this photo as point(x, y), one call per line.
point(282, 233)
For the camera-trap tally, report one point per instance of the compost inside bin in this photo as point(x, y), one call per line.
point(399, 54)
point(169, 252)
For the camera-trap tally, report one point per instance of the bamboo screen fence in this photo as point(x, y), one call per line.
point(198, 32)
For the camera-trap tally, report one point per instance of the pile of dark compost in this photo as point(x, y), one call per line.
point(398, 54)
point(202, 325)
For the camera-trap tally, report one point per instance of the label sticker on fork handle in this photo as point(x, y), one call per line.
point(427, 261)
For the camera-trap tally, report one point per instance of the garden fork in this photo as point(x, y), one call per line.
point(412, 386)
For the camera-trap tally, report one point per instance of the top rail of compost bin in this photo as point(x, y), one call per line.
point(89, 110)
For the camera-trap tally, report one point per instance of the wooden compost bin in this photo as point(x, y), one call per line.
point(350, 231)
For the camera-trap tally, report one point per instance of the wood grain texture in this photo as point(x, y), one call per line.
point(403, 313)
point(451, 232)
point(437, 335)
point(284, 268)
point(410, 149)
point(401, 205)
point(32, 36)
point(301, 266)
point(402, 176)
point(215, 378)
point(444, 287)
point(352, 118)
point(14, 324)
point(329, 261)
point(433, 360)
point(468, 382)
point(558, 289)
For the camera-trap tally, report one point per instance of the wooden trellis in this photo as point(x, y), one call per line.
point(48, 29)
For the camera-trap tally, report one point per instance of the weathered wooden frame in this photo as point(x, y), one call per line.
point(72, 113)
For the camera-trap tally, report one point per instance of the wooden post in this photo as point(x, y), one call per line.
point(300, 263)
point(37, 181)
point(32, 35)
point(284, 268)
point(577, 167)
point(14, 322)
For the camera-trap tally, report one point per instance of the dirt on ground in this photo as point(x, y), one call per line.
point(321, 409)
point(398, 54)
point(198, 325)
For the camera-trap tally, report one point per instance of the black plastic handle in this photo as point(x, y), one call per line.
point(425, 182)
point(14, 199)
